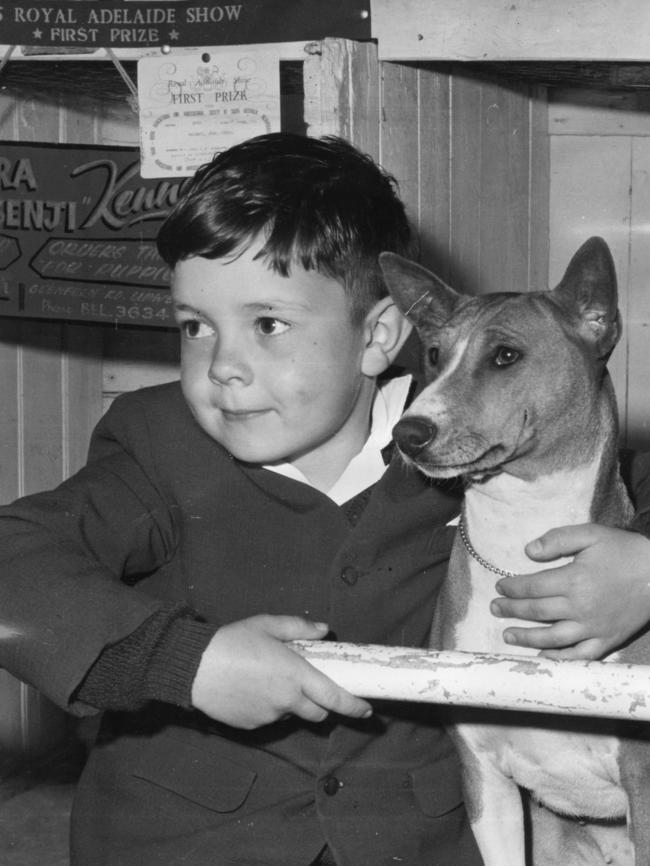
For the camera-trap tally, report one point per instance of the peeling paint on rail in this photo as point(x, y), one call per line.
point(485, 680)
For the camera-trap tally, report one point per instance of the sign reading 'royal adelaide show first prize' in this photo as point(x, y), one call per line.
point(120, 24)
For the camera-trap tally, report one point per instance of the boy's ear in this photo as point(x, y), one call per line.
point(387, 330)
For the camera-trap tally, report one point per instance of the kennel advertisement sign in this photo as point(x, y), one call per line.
point(77, 235)
point(129, 24)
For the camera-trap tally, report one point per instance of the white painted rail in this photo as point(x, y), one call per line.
point(525, 683)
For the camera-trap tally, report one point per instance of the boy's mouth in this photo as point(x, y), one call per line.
point(242, 414)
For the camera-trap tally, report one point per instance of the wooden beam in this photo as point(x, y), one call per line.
point(500, 682)
point(522, 30)
point(286, 51)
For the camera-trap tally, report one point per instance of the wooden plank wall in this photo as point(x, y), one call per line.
point(50, 382)
point(57, 378)
point(528, 29)
point(600, 185)
point(470, 156)
point(504, 187)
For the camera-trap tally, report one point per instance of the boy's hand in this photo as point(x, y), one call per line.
point(595, 603)
point(248, 677)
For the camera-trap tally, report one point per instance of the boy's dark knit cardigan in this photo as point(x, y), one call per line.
point(158, 541)
point(159, 660)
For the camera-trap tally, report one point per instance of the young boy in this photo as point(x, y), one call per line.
point(217, 519)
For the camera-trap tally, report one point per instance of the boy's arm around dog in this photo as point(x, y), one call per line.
point(593, 604)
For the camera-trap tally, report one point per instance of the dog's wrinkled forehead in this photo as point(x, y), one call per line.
point(492, 334)
point(583, 304)
point(505, 314)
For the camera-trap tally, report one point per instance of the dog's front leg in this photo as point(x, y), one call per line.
point(634, 762)
point(494, 807)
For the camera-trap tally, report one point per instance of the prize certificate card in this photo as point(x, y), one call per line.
point(194, 106)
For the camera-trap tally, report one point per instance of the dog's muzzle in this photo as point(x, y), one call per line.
point(413, 434)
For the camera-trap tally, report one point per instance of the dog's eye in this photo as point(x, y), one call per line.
point(432, 355)
point(505, 356)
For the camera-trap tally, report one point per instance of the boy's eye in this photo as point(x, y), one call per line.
point(432, 355)
point(505, 356)
point(194, 329)
point(270, 327)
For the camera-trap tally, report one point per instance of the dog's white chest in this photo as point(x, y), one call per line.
point(500, 518)
point(570, 773)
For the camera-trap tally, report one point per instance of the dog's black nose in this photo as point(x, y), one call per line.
point(413, 434)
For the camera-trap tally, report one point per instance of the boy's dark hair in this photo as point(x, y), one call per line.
point(319, 203)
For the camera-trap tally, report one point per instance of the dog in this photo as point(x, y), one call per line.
point(519, 404)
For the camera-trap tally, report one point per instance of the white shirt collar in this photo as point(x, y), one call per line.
point(367, 466)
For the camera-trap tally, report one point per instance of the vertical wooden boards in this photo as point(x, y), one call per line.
point(52, 377)
point(468, 167)
point(435, 207)
point(399, 132)
point(364, 99)
point(326, 73)
point(600, 158)
point(470, 157)
point(637, 403)
point(590, 180)
point(538, 193)
point(50, 385)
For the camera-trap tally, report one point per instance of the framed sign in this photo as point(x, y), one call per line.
point(77, 235)
point(151, 23)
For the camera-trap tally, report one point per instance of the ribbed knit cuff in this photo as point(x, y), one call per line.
point(175, 659)
point(158, 661)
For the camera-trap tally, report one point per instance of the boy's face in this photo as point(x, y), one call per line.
point(271, 366)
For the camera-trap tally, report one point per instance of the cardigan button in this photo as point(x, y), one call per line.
point(331, 785)
point(349, 575)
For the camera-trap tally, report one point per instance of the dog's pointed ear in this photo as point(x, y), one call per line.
point(420, 295)
point(588, 291)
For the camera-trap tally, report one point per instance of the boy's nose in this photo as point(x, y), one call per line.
point(228, 366)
